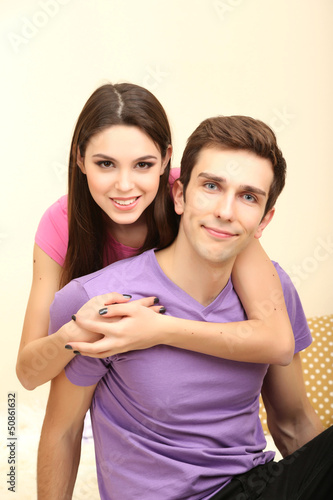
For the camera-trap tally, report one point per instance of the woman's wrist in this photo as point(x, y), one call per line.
point(66, 333)
point(168, 330)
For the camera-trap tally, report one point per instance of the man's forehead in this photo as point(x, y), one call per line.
point(228, 165)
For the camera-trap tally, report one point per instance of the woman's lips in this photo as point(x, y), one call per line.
point(125, 203)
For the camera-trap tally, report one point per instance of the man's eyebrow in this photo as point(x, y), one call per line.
point(254, 190)
point(244, 187)
point(141, 158)
point(212, 177)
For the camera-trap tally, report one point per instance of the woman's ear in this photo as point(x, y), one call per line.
point(264, 222)
point(80, 161)
point(178, 197)
point(166, 159)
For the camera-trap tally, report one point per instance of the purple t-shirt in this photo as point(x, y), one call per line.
point(170, 423)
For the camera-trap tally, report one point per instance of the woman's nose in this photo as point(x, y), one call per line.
point(124, 181)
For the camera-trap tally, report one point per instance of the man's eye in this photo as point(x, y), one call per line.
point(211, 186)
point(249, 197)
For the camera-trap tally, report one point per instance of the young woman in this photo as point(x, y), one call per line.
point(119, 204)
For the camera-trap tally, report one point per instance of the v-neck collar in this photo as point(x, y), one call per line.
point(181, 295)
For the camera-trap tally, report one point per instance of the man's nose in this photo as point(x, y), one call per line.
point(225, 207)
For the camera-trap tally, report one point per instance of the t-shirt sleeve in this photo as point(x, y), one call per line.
point(52, 231)
point(296, 313)
point(67, 301)
point(82, 370)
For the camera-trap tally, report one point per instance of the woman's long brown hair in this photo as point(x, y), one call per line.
point(119, 104)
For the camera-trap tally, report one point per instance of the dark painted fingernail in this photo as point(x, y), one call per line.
point(74, 317)
point(162, 310)
point(127, 296)
point(69, 347)
point(156, 300)
point(76, 352)
point(103, 311)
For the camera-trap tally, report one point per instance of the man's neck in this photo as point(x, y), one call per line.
point(199, 278)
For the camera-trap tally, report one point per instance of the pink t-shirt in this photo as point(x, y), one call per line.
point(52, 232)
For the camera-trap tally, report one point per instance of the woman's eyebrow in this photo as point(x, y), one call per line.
point(141, 158)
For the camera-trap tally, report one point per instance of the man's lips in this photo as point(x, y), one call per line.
point(219, 233)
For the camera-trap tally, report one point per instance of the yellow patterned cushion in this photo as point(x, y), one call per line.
point(317, 362)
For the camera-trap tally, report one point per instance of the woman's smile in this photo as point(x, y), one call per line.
point(123, 166)
point(125, 203)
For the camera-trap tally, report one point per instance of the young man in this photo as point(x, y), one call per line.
point(174, 424)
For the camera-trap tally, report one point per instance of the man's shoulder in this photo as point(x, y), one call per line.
point(295, 310)
point(289, 291)
point(116, 274)
point(114, 278)
point(283, 275)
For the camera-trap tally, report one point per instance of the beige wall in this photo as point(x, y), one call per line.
point(265, 58)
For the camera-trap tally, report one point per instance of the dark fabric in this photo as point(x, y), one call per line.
point(306, 474)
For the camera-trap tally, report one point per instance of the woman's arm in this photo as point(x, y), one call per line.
point(266, 337)
point(40, 358)
point(258, 286)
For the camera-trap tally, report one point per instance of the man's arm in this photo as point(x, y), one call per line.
point(290, 417)
point(60, 443)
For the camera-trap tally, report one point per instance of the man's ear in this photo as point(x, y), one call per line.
point(80, 161)
point(166, 159)
point(264, 222)
point(178, 197)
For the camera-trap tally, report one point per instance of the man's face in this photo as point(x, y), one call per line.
point(225, 203)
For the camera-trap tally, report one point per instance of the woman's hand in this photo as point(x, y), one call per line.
point(110, 324)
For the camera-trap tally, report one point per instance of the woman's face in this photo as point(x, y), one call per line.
point(123, 168)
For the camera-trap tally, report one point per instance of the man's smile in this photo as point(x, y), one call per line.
point(219, 233)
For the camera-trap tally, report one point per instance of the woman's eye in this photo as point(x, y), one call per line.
point(143, 165)
point(105, 164)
